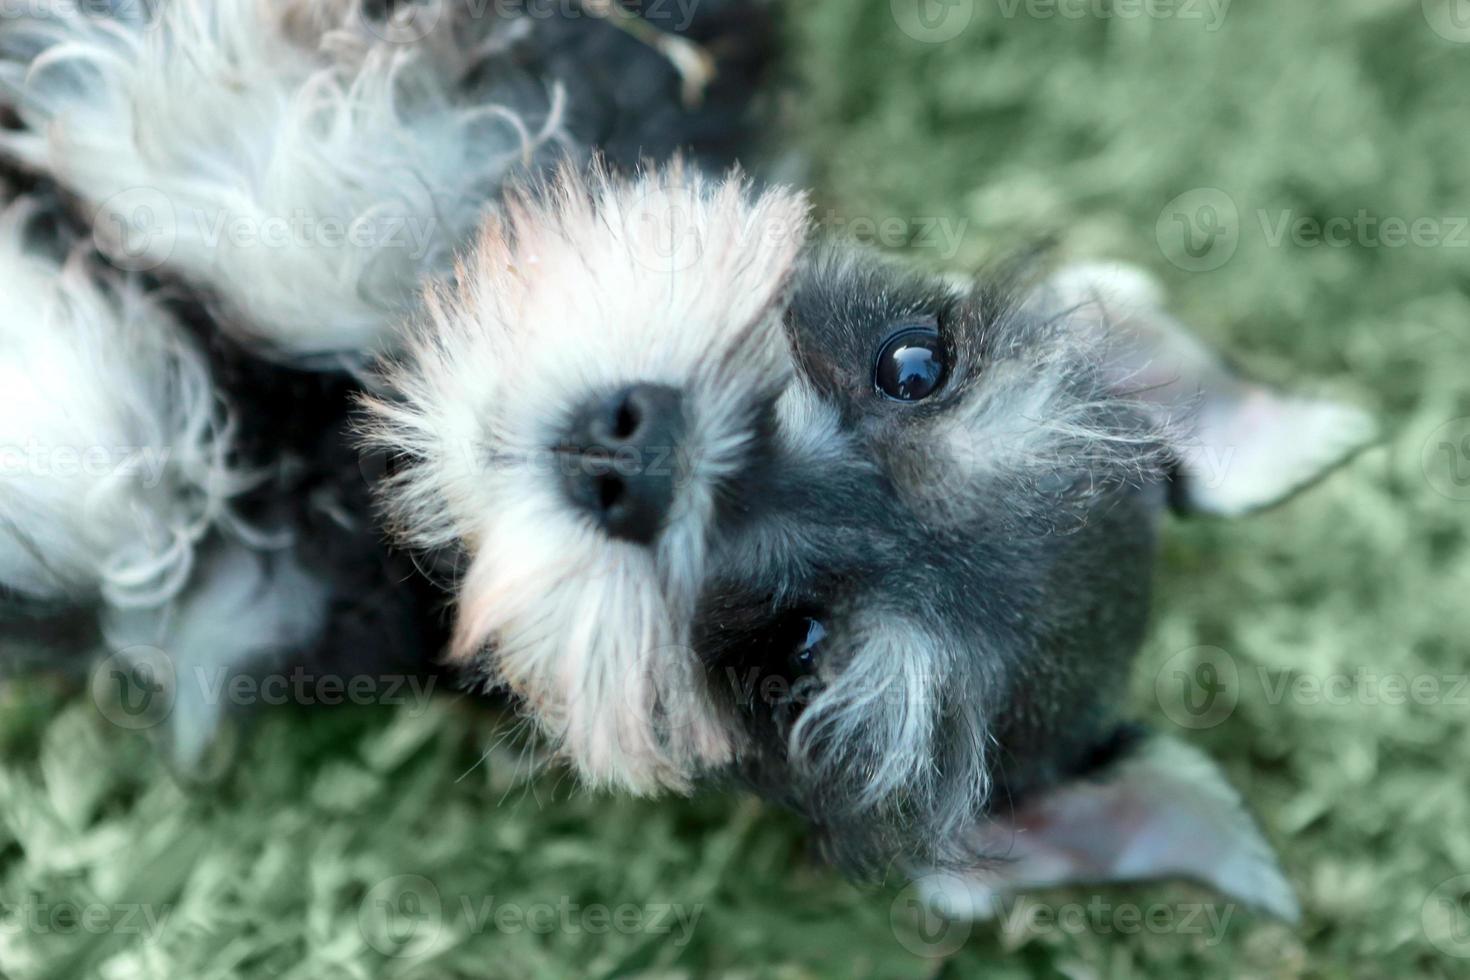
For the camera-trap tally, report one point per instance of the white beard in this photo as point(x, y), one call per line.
point(670, 279)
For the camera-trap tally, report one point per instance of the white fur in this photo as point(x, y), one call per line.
point(1166, 811)
point(1242, 445)
point(241, 606)
point(668, 279)
point(1043, 408)
point(902, 722)
point(112, 443)
point(810, 428)
point(1040, 411)
point(301, 168)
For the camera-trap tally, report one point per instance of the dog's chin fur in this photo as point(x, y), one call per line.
point(290, 161)
point(592, 633)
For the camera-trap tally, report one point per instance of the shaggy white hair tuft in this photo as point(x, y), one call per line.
point(113, 446)
point(304, 170)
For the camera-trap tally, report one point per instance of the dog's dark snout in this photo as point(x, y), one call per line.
point(619, 457)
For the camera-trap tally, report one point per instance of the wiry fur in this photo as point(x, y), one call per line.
point(593, 633)
point(599, 637)
point(116, 451)
point(306, 174)
point(1041, 403)
point(946, 593)
point(934, 539)
point(242, 608)
point(118, 484)
point(898, 739)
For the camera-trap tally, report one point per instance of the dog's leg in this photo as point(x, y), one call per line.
point(242, 609)
point(116, 533)
point(1163, 809)
point(306, 175)
point(115, 448)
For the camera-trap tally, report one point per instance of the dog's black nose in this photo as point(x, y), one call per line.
point(619, 457)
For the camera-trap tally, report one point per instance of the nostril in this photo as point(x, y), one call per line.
point(627, 420)
point(610, 493)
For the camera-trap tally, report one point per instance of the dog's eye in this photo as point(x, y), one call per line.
point(807, 635)
point(912, 362)
point(771, 667)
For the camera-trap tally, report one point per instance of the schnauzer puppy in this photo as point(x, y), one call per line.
point(716, 496)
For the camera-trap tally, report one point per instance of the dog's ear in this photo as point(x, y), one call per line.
point(1158, 809)
point(1238, 445)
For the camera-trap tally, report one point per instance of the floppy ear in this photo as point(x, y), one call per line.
point(1239, 445)
point(1160, 810)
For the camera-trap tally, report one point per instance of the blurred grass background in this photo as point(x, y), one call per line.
point(1015, 126)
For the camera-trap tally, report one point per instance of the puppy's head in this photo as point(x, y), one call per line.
point(731, 498)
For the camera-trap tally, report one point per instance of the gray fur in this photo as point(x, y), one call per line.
point(898, 618)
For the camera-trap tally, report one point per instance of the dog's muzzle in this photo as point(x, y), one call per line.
point(618, 458)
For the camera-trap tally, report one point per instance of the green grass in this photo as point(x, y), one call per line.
point(1021, 126)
